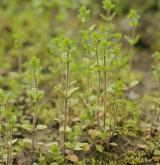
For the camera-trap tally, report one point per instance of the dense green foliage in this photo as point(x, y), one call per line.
point(73, 88)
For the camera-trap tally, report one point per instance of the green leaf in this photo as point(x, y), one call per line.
point(71, 91)
point(33, 93)
point(72, 158)
point(133, 83)
point(68, 129)
point(94, 133)
point(69, 145)
point(84, 13)
point(86, 147)
point(108, 5)
point(99, 148)
point(35, 62)
point(78, 146)
point(51, 144)
point(41, 127)
point(13, 141)
point(27, 126)
point(157, 152)
point(40, 94)
point(113, 144)
point(55, 148)
point(133, 17)
point(58, 89)
point(129, 40)
point(27, 141)
point(54, 163)
point(36, 94)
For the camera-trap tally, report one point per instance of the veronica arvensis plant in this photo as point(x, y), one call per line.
point(96, 38)
point(34, 70)
point(9, 123)
point(133, 18)
point(19, 38)
point(67, 45)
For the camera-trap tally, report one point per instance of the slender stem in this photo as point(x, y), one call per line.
point(1, 155)
point(35, 111)
point(99, 86)
point(88, 85)
point(153, 125)
point(10, 144)
point(66, 95)
point(159, 93)
point(131, 49)
point(7, 140)
point(158, 79)
point(105, 90)
point(20, 61)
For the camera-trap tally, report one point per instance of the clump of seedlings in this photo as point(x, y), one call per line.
point(94, 109)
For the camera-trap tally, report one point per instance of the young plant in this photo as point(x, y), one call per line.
point(9, 124)
point(95, 39)
point(66, 47)
point(108, 6)
point(86, 43)
point(34, 74)
point(156, 72)
point(113, 62)
point(156, 67)
point(74, 143)
point(18, 42)
point(133, 18)
point(53, 156)
point(105, 46)
point(84, 15)
point(56, 154)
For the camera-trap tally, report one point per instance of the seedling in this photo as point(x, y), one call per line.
point(34, 74)
point(133, 18)
point(105, 46)
point(156, 72)
point(86, 43)
point(95, 39)
point(10, 120)
point(66, 48)
point(156, 67)
point(84, 15)
point(109, 7)
point(18, 42)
